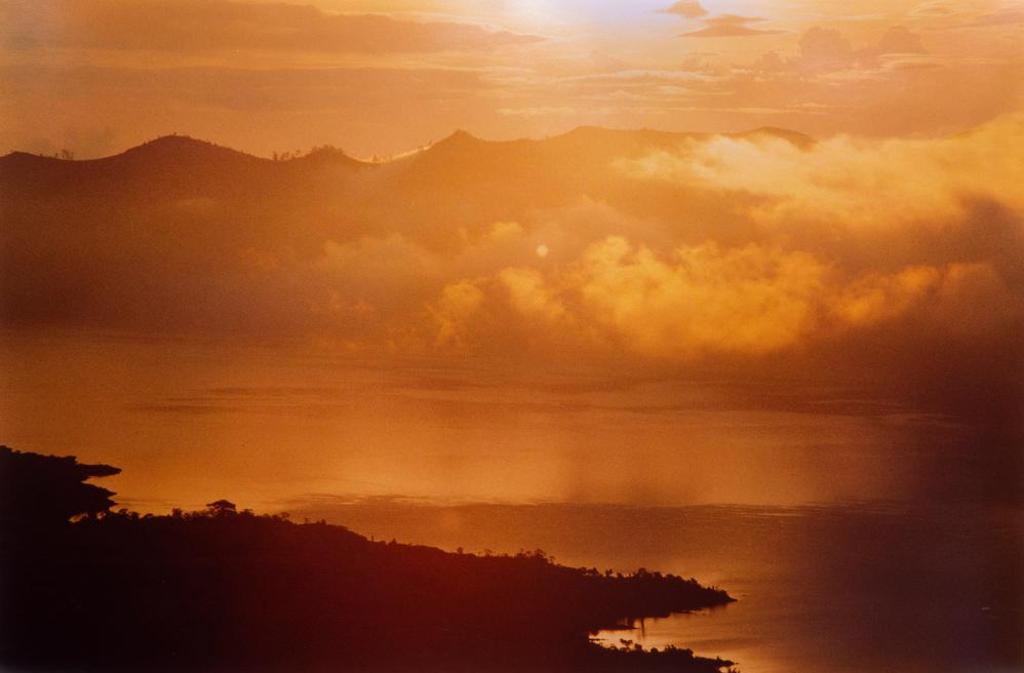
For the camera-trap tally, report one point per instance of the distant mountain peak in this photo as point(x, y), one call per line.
point(589, 130)
point(794, 137)
point(462, 134)
point(460, 138)
point(177, 139)
point(328, 154)
point(180, 146)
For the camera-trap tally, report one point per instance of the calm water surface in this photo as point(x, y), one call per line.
point(916, 584)
point(192, 421)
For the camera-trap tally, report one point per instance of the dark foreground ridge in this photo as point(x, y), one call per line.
point(220, 590)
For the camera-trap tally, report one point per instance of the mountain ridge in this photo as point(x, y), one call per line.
point(178, 144)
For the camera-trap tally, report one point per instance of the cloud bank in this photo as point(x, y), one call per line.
point(845, 236)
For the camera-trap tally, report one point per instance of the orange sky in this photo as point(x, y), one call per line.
point(96, 76)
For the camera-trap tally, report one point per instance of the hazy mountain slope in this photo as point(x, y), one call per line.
point(185, 233)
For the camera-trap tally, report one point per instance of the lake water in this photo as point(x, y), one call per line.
point(853, 588)
point(637, 468)
point(192, 421)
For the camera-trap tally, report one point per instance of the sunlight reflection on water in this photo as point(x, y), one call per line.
point(194, 421)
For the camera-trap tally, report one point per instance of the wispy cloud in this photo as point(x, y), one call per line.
point(690, 9)
point(731, 25)
point(224, 25)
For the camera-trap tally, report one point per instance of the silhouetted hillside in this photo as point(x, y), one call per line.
point(44, 491)
point(186, 165)
point(170, 166)
point(227, 590)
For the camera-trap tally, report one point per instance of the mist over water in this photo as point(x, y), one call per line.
point(191, 421)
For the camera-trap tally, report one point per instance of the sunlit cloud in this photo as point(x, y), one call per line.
point(910, 180)
point(695, 301)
